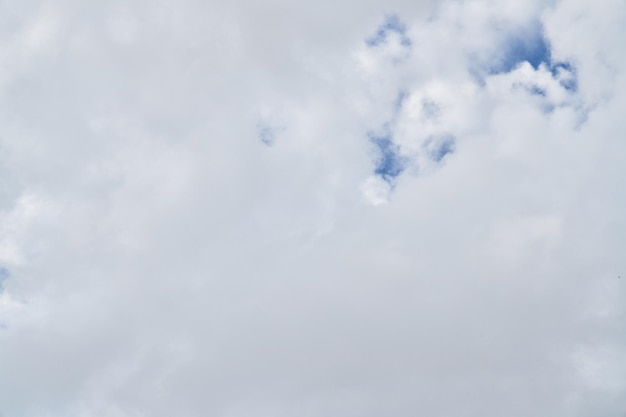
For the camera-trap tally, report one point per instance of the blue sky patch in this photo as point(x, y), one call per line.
point(531, 46)
point(389, 163)
point(391, 24)
point(439, 148)
point(400, 99)
point(266, 133)
point(567, 74)
point(430, 110)
point(525, 46)
point(536, 90)
point(4, 275)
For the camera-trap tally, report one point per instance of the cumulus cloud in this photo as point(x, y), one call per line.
point(244, 209)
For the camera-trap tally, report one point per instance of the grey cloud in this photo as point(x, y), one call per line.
point(163, 262)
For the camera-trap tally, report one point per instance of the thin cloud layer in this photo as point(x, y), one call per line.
point(408, 208)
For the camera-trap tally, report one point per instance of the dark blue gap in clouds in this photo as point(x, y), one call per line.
point(392, 23)
point(531, 46)
point(389, 163)
point(438, 148)
point(569, 83)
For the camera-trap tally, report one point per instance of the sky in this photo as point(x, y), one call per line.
point(317, 209)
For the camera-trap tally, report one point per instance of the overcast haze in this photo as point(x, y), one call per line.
point(318, 209)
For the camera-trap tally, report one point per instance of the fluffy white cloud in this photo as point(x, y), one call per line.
point(243, 209)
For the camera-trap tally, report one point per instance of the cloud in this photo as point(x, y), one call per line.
point(425, 235)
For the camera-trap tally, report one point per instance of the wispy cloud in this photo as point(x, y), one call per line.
point(335, 209)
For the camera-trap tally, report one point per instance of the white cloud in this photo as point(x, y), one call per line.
point(376, 190)
point(162, 260)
